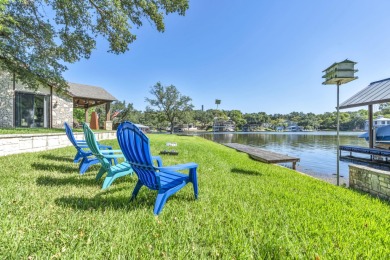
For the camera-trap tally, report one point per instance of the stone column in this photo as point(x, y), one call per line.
point(108, 115)
point(108, 125)
point(108, 122)
point(86, 115)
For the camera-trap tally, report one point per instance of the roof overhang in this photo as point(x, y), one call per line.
point(79, 102)
point(377, 92)
point(85, 96)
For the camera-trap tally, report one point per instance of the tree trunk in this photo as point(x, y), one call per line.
point(171, 127)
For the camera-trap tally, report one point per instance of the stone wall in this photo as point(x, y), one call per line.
point(6, 100)
point(62, 110)
point(25, 143)
point(370, 180)
point(61, 104)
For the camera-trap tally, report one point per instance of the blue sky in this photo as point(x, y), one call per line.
point(254, 55)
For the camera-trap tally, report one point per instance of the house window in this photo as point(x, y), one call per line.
point(31, 110)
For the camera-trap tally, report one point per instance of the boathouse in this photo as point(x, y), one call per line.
point(363, 178)
point(376, 92)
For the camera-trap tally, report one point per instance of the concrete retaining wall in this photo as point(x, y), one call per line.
point(373, 181)
point(24, 143)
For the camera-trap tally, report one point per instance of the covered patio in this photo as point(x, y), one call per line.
point(86, 96)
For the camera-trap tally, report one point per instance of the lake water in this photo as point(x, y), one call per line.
point(317, 150)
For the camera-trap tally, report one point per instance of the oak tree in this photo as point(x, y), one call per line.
point(38, 38)
point(170, 102)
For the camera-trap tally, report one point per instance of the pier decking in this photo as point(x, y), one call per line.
point(365, 150)
point(263, 155)
point(378, 158)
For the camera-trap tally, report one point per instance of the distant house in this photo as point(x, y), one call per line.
point(378, 122)
point(185, 128)
point(250, 127)
point(143, 128)
point(221, 125)
point(47, 107)
point(294, 128)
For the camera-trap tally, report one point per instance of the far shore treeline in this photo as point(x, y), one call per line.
point(203, 120)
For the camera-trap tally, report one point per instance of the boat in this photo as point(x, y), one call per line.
point(382, 134)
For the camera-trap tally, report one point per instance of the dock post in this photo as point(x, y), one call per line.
point(338, 134)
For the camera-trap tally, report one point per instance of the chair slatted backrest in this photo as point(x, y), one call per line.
point(70, 135)
point(94, 147)
point(136, 149)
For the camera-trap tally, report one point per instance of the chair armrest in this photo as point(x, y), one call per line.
point(110, 151)
point(178, 167)
point(158, 159)
point(113, 156)
point(105, 146)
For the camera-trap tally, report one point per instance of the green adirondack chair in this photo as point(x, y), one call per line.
point(84, 154)
point(113, 171)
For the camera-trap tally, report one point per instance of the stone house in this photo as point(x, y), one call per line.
point(47, 107)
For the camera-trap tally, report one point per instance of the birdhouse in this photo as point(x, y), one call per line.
point(340, 73)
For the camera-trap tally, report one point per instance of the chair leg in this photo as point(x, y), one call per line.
point(77, 157)
point(111, 177)
point(108, 181)
point(194, 180)
point(138, 186)
point(100, 173)
point(160, 202)
point(83, 166)
point(85, 163)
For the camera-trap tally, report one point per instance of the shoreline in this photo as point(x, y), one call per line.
point(343, 181)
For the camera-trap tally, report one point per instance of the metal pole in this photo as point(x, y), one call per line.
point(338, 135)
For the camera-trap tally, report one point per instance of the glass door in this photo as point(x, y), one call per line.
point(24, 104)
point(31, 110)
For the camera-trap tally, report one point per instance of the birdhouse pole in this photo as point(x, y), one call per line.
point(339, 73)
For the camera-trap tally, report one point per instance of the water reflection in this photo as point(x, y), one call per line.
point(317, 150)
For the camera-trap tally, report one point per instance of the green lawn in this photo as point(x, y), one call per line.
point(26, 130)
point(245, 210)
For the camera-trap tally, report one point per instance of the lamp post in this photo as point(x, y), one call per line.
point(339, 73)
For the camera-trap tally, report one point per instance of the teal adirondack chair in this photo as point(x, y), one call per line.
point(83, 152)
point(166, 180)
point(113, 171)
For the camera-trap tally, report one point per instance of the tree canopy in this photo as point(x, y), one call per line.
point(170, 102)
point(37, 38)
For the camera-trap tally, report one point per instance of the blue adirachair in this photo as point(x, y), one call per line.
point(83, 152)
point(113, 171)
point(165, 180)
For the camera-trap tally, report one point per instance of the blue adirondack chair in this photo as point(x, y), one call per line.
point(113, 171)
point(83, 152)
point(166, 180)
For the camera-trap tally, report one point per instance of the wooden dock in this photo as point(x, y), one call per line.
point(263, 155)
